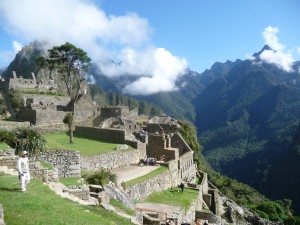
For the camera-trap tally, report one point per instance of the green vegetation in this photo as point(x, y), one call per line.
point(101, 177)
point(244, 195)
point(148, 176)
point(189, 134)
point(40, 205)
point(16, 99)
point(3, 145)
point(23, 139)
point(71, 181)
point(85, 146)
point(46, 165)
point(71, 63)
point(36, 91)
point(121, 206)
point(171, 197)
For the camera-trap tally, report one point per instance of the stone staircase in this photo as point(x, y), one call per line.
point(9, 171)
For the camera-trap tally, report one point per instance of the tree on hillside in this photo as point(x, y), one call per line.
point(70, 62)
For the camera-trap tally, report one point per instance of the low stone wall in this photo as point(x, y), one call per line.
point(52, 128)
point(9, 125)
point(190, 213)
point(67, 162)
point(110, 160)
point(111, 135)
point(81, 192)
point(1, 215)
point(43, 174)
point(8, 158)
point(142, 190)
point(207, 215)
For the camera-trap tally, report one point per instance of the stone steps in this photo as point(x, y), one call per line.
point(6, 170)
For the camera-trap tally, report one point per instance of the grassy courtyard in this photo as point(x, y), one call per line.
point(86, 146)
point(40, 205)
point(174, 197)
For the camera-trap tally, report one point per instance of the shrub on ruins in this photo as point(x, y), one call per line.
point(189, 134)
point(16, 99)
point(101, 177)
point(68, 119)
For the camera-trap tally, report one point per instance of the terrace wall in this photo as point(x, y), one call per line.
point(67, 162)
point(110, 160)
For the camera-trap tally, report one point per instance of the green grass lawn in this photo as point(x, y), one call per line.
point(148, 176)
point(4, 146)
point(85, 146)
point(173, 197)
point(41, 206)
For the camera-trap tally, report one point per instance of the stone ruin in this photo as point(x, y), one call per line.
point(16, 83)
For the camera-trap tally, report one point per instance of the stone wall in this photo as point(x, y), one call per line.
point(8, 158)
point(190, 212)
point(43, 174)
point(110, 160)
point(81, 192)
point(110, 135)
point(208, 216)
point(187, 167)
point(9, 125)
point(52, 129)
point(67, 162)
point(159, 147)
point(22, 83)
point(142, 190)
point(46, 99)
point(1, 215)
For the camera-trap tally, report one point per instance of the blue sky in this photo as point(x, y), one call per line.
point(155, 40)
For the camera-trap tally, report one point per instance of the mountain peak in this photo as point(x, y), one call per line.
point(266, 47)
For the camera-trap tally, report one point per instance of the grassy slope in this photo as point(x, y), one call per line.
point(40, 205)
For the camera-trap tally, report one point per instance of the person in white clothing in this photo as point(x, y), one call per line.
point(23, 169)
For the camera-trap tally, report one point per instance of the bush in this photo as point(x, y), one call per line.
point(262, 214)
point(101, 177)
point(274, 210)
point(16, 99)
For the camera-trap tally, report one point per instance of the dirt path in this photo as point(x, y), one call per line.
point(131, 172)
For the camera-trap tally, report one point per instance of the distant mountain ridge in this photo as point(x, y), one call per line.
point(247, 119)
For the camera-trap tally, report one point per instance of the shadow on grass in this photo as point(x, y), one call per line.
point(10, 189)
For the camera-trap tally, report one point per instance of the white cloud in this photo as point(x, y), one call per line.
point(104, 37)
point(17, 46)
point(298, 50)
point(7, 56)
point(277, 56)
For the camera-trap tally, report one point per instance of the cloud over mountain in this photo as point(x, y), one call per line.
point(278, 56)
point(125, 39)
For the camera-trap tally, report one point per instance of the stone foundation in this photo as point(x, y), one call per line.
point(66, 162)
point(8, 158)
point(1, 215)
point(110, 160)
point(142, 190)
